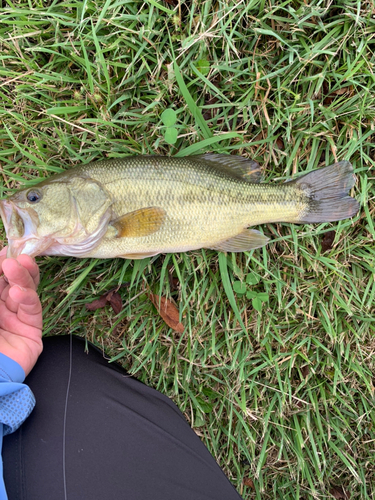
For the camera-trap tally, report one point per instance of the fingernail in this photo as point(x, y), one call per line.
point(21, 288)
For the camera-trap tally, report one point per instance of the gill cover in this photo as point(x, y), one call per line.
point(91, 207)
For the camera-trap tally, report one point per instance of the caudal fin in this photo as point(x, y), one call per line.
point(327, 192)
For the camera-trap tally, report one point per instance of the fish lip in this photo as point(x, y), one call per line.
point(18, 239)
point(6, 209)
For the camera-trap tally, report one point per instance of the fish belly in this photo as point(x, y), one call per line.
point(180, 232)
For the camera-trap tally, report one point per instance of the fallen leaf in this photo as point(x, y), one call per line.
point(332, 95)
point(280, 143)
point(247, 481)
point(168, 311)
point(114, 299)
point(305, 370)
point(327, 241)
point(97, 304)
point(339, 493)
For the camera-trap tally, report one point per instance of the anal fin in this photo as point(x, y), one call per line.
point(249, 239)
point(137, 256)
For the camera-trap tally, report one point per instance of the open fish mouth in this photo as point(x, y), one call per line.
point(21, 227)
point(21, 230)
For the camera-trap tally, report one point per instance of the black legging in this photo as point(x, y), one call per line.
point(98, 433)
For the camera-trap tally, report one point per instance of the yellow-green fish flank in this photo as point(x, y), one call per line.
point(140, 206)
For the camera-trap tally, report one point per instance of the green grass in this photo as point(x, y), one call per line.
point(284, 396)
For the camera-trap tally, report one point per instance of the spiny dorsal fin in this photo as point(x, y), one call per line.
point(139, 223)
point(243, 242)
point(243, 168)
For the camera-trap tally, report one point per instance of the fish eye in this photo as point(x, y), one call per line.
point(33, 196)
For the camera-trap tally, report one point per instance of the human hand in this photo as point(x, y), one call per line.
point(20, 310)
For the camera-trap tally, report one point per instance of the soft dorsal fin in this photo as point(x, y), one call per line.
point(139, 223)
point(243, 242)
point(243, 168)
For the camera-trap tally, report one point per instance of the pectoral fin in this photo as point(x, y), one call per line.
point(139, 223)
point(243, 242)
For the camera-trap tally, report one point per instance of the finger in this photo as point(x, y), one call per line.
point(30, 264)
point(29, 306)
point(3, 256)
point(3, 285)
point(17, 274)
point(8, 302)
point(12, 324)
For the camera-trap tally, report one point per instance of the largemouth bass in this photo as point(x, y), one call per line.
point(140, 206)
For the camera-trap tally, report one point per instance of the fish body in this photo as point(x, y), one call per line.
point(140, 206)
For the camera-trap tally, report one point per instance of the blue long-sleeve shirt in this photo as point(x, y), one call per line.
point(16, 403)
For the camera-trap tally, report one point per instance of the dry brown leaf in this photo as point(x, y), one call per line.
point(305, 370)
point(97, 304)
point(113, 297)
point(331, 96)
point(339, 493)
point(280, 143)
point(168, 311)
point(327, 241)
point(247, 481)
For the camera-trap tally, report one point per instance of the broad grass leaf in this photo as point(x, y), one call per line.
point(227, 284)
point(204, 406)
point(169, 117)
point(203, 66)
point(252, 279)
point(170, 135)
point(257, 304)
point(263, 297)
point(239, 287)
point(199, 420)
point(168, 311)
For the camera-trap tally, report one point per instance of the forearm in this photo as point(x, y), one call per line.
point(16, 403)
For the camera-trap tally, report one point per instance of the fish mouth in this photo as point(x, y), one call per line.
point(21, 230)
point(21, 227)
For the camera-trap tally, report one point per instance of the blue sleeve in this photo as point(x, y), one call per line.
point(16, 404)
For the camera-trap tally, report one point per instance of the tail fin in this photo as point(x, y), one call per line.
point(327, 191)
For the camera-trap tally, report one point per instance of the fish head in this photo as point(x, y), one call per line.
point(65, 216)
